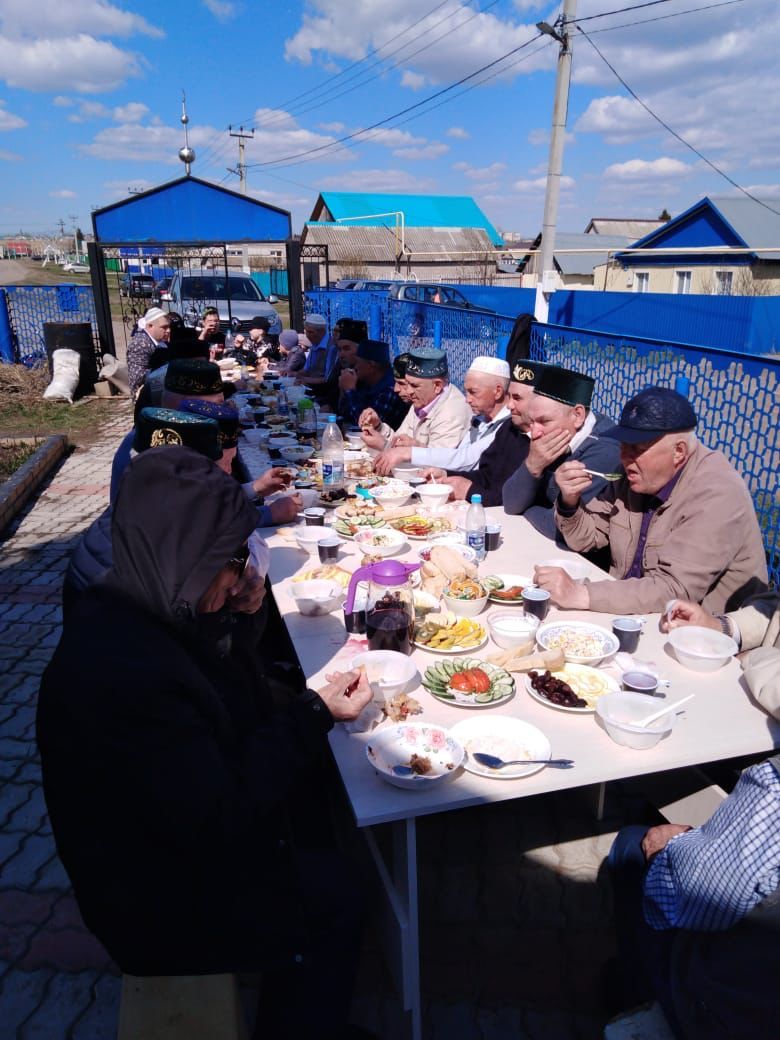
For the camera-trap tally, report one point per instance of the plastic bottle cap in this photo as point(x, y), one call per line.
point(330, 418)
point(476, 500)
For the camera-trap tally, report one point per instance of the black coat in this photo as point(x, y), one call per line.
point(497, 463)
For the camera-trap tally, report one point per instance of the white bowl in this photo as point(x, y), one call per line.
point(702, 649)
point(317, 597)
point(308, 538)
point(576, 569)
point(511, 630)
point(278, 440)
point(394, 746)
point(464, 607)
point(256, 437)
point(452, 541)
point(355, 441)
point(434, 495)
point(408, 472)
point(387, 671)
point(380, 541)
point(297, 453)
point(392, 495)
point(618, 712)
point(581, 642)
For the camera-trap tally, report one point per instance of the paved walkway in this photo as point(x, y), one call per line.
point(516, 919)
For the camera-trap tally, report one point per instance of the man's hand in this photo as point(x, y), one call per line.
point(348, 379)
point(460, 487)
point(246, 596)
point(572, 479)
point(546, 449)
point(368, 419)
point(564, 591)
point(346, 694)
point(385, 463)
point(434, 475)
point(684, 612)
point(657, 838)
point(275, 479)
point(402, 441)
point(373, 439)
point(285, 510)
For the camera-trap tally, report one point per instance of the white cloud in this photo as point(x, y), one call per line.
point(221, 9)
point(33, 18)
point(428, 151)
point(413, 80)
point(8, 121)
point(132, 112)
point(540, 184)
point(619, 119)
point(332, 128)
point(391, 138)
point(62, 193)
point(378, 180)
point(458, 132)
point(9, 156)
point(480, 173)
point(648, 169)
point(62, 102)
point(763, 191)
point(81, 63)
point(89, 110)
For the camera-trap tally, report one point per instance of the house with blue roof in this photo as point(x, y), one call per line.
point(383, 235)
point(722, 245)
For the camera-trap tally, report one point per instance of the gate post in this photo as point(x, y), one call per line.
point(97, 273)
point(6, 334)
point(294, 283)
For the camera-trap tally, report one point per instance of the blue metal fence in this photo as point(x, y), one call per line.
point(272, 282)
point(28, 307)
point(736, 397)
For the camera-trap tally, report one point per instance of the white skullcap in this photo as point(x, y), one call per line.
point(315, 321)
point(492, 366)
point(151, 315)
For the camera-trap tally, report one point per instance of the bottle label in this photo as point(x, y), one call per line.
point(476, 541)
point(332, 473)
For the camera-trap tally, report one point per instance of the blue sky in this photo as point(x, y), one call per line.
point(90, 102)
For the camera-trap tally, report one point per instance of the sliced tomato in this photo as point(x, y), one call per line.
point(462, 681)
point(480, 683)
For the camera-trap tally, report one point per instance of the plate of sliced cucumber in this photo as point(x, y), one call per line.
point(469, 683)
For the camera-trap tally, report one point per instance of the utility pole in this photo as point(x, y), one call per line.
point(74, 217)
point(242, 136)
point(559, 32)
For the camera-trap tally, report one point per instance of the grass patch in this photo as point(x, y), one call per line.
point(12, 456)
point(24, 413)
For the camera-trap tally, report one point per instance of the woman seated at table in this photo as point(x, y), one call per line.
point(756, 629)
point(170, 772)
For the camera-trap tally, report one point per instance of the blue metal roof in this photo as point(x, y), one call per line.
point(445, 211)
point(191, 210)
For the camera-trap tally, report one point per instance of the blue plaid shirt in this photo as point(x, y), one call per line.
point(382, 398)
point(707, 879)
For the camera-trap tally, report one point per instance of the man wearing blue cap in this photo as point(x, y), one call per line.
point(679, 523)
point(369, 384)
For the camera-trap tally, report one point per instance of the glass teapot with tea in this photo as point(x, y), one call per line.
point(389, 606)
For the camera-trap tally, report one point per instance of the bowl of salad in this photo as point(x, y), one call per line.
point(465, 597)
point(383, 541)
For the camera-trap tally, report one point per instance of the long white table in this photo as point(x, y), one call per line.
point(721, 722)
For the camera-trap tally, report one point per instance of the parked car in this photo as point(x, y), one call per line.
point(235, 295)
point(375, 285)
point(135, 285)
point(346, 283)
point(430, 292)
point(160, 293)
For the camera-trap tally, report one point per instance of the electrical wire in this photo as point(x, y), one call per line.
point(619, 10)
point(396, 115)
point(664, 17)
point(674, 133)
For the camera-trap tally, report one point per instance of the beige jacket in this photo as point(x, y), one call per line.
point(704, 543)
point(759, 626)
point(443, 427)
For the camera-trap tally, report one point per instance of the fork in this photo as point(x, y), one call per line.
point(604, 476)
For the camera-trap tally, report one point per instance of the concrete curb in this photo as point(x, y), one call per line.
point(19, 488)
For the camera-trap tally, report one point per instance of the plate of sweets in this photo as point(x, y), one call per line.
point(575, 688)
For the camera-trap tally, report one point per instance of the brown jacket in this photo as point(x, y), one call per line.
point(759, 627)
point(704, 543)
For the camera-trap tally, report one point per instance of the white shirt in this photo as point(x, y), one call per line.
point(467, 454)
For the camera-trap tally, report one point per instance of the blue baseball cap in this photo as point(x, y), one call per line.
point(654, 411)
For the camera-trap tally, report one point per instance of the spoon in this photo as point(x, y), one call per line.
point(494, 762)
point(664, 711)
point(605, 476)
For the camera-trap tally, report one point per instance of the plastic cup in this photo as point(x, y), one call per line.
point(492, 537)
point(329, 550)
point(638, 681)
point(627, 630)
point(536, 602)
point(314, 516)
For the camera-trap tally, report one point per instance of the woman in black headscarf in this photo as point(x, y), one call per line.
point(168, 771)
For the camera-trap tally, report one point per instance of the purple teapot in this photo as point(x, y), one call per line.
point(389, 605)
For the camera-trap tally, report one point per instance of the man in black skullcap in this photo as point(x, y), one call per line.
point(561, 427)
point(369, 384)
point(679, 524)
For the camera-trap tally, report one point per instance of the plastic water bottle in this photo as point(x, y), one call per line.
point(333, 457)
point(475, 526)
point(282, 404)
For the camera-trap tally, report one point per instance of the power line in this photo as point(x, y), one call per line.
point(409, 108)
point(674, 133)
point(663, 17)
point(619, 10)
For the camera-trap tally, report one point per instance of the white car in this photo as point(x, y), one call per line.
point(235, 295)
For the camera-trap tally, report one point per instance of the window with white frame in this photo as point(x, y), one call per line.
point(683, 282)
point(723, 283)
point(642, 281)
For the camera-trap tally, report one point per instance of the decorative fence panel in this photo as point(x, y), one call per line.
point(737, 399)
point(29, 307)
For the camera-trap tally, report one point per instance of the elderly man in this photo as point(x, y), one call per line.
point(323, 352)
point(154, 331)
point(347, 334)
point(439, 415)
point(510, 444)
point(562, 427)
point(293, 354)
point(486, 385)
point(369, 384)
point(680, 522)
